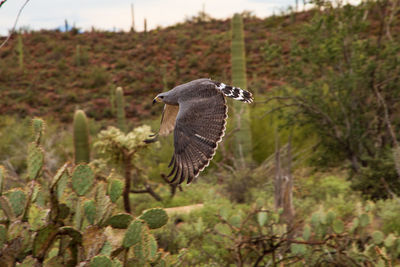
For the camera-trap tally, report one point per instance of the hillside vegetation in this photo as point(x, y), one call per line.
point(63, 70)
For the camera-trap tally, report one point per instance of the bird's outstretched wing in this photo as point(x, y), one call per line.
point(199, 127)
point(168, 119)
point(167, 123)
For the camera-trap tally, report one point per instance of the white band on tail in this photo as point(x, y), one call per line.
point(235, 92)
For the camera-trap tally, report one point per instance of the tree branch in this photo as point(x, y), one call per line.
point(2, 2)
point(147, 190)
point(127, 165)
point(15, 22)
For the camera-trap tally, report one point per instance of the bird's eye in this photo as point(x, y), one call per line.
point(161, 96)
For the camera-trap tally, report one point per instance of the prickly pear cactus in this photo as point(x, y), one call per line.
point(116, 187)
point(155, 218)
point(6, 208)
point(17, 199)
point(90, 210)
point(104, 205)
point(102, 261)
point(3, 235)
point(38, 127)
point(35, 161)
point(71, 220)
point(134, 233)
point(142, 248)
point(82, 179)
point(121, 220)
point(37, 216)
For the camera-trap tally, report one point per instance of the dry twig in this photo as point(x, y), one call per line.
point(15, 22)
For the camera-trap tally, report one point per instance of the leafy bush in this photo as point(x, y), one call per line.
point(98, 77)
point(342, 86)
point(256, 236)
point(389, 212)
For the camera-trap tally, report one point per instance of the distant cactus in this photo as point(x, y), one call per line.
point(145, 26)
point(112, 100)
point(66, 25)
point(120, 104)
point(133, 18)
point(81, 138)
point(78, 61)
point(164, 77)
point(81, 56)
point(20, 50)
point(241, 112)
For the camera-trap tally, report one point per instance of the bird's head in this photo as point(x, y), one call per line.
point(166, 97)
point(159, 98)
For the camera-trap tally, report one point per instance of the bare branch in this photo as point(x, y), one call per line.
point(148, 190)
point(385, 184)
point(2, 2)
point(15, 22)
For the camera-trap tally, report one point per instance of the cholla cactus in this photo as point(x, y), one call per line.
point(116, 146)
point(120, 104)
point(113, 143)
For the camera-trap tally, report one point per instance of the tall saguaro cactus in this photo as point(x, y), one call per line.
point(241, 112)
point(120, 103)
point(81, 138)
point(20, 48)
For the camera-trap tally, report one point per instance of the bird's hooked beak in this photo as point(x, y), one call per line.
point(156, 99)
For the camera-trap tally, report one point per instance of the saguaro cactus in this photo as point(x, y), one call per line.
point(120, 103)
point(81, 137)
point(241, 112)
point(78, 61)
point(20, 48)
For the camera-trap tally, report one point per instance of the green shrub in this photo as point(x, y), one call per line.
point(389, 212)
point(98, 77)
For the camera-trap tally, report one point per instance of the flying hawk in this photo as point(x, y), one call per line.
point(196, 111)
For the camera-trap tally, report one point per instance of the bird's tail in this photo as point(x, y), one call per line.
point(235, 92)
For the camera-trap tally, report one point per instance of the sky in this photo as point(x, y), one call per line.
point(116, 14)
